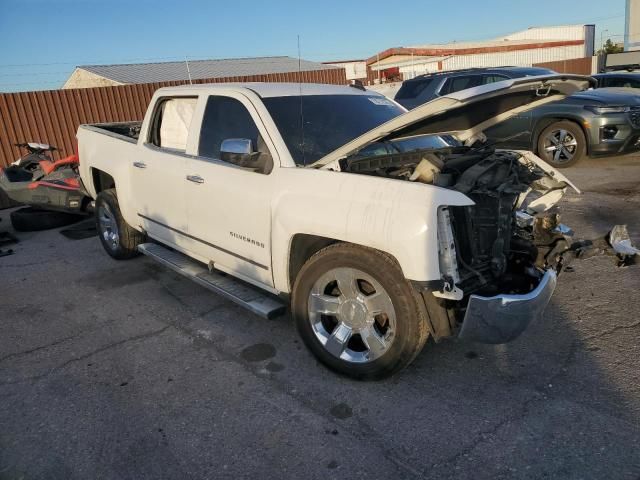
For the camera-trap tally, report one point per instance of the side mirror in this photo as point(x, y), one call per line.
point(238, 151)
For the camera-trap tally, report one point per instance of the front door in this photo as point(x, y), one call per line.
point(229, 206)
point(159, 169)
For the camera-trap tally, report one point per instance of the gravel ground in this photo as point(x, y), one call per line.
point(125, 370)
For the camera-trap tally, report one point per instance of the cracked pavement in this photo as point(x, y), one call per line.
point(125, 370)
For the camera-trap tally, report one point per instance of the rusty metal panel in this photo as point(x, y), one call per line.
point(581, 66)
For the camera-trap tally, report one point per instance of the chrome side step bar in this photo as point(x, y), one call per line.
point(250, 297)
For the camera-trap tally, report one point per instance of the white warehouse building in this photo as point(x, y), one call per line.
point(525, 48)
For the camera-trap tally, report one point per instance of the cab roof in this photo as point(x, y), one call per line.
point(267, 90)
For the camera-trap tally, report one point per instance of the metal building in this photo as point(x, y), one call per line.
point(524, 48)
point(89, 76)
point(632, 26)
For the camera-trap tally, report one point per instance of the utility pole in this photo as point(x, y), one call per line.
point(601, 39)
point(413, 66)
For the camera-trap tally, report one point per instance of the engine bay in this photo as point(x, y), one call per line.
point(504, 242)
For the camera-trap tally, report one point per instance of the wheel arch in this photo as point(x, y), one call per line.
point(101, 180)
point(303, 246)
point(544, 122)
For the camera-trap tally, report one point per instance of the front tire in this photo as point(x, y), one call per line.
point(562, 144)
point(357, 313)
point(118, 238)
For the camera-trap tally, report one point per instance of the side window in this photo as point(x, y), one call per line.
point(623, 82)
point(486, 79)
point(225, 118)
point(462, 82)
point(614, 82)
point(171, 122)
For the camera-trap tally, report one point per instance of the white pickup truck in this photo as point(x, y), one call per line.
point(380, 227)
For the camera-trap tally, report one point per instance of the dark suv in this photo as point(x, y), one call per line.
point(424, 88)
point(605, 121)
point(618, 79)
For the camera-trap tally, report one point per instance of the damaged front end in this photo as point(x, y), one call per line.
point(510, 246)
point(499, 258)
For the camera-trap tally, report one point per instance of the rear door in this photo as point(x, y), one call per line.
point(158, 172)
point(229, 206)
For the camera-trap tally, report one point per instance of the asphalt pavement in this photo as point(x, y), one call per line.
point(117, 370)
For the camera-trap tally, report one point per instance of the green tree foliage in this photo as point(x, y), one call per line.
point(610, 47)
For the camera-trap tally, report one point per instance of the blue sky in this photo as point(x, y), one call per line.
point(43, 40)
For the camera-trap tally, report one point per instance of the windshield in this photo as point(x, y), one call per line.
point(330, 121)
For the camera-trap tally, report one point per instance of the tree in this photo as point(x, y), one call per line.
point(610, 47)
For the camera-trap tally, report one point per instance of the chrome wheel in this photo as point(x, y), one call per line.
point(352, 315)
point(108, 226)
point(560, 145)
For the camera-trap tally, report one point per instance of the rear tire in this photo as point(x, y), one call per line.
point(118, 238)
point(30, 219)
point(562, 144)
point(357, 313)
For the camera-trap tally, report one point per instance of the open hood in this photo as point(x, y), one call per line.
point(467, 113)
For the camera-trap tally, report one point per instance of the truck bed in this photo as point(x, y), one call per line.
point(108, 148)
point(128, 131)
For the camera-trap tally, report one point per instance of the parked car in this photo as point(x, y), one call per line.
point(618, 79)
point(425, 88)
point(593, 123)
point(290, 190)
point(600, 122)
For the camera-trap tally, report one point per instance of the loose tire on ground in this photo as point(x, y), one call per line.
point(118, 238)
point(375, 272)
point(557, 153)
point(31, 219)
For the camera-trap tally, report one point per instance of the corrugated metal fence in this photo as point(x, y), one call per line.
point(53, 116)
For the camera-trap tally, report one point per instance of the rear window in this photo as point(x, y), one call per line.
point(412, 88)
point(486, 79)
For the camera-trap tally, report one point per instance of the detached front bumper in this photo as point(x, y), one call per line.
point(503, 318)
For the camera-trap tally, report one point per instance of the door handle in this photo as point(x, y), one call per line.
point(139, 164)
point(195, 178)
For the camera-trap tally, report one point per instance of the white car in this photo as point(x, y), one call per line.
point(380, 227)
